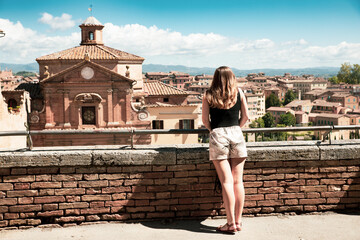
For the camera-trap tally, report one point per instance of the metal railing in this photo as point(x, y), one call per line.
point(132, 131)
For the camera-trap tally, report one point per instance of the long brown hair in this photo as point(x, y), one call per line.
point(223, 90)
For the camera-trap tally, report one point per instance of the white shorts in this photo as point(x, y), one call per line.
point(226, 143)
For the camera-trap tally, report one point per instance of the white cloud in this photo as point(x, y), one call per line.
point(165, 46)
point(57, 23)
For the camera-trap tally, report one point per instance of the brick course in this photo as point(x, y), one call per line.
point(72, 194)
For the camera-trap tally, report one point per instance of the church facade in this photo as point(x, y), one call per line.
point(90, 86)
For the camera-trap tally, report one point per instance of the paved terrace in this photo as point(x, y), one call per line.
point(80, 185)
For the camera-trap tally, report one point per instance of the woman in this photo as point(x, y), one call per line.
point(221, 108)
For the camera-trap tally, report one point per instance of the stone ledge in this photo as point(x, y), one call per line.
point(174, 154)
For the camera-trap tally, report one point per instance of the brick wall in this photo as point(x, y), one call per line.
point(74, 186)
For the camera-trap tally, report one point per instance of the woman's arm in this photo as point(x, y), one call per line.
point(244, 109)
point(206, 113)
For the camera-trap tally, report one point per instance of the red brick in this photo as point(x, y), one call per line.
point(70, 184)
point(289, 209)
point(6, 186)
point(140, 209)
point(91, 218)
point(270, 202)
point(113, 176)
point(206, 180)
point(333, 200)
point(72, 212)
point(181, 174)
point(353, 169)
point(270, 183)
point(350, 200)
point(137, 182)
point(310, 208)
point(21, 186)
point(185, 201)
point(118, 196)
point(136, 189)
point(73, 205)
point(8, 201)
point(43, 178)
point(136, 169)
point(141, 196)
point(271, 176)
point(267, 209)
point(95, 210)
point(22, 193)
point(333, 194)
point(292, 189)
point(89, 198)
point(50, 207)
point(165, 188)
point(291, 201)
point(163, 195)
point(350, 175)
point(73, 198)
point(253, 184)
point(203, 166)
point(251, 210)
point(181, 168)
point(158, 175)
point(269, 171)
point(319, 188)
point(66, 177)
point(27, 178)
point(254, 197)
point(249, 177)
point(56, 213)
point(271, 190)
point(162, 208)
point(333, 169)
point(92, 169)
point(27, 215)
point(332, 181)
point(4, 209)
point(312, 175)
point(116, 183)
point(207, 200)
point(312, 182)
point(51, 199)
point(334, 175)
point(4, 223)
point(312, 201)
point(202, 173)
point(291, 176)
point(312, 195)
point(17, 222)
point(118, 217)
point(158, 168)
point(183, 181)
point(185, 194)
point(298, 182)
point(311, 169)
point(46, 185)
point(67, 170)
point(70, 219)
point(272, 196)
point(290, 163)
point(120, 203)
point(43, 170)
point(252, 171)
point(91, 177)
point(90, 184)
point(4, 171)
point(291, 195)
point(70, 191)
point(161, 181)
point(46, 192)
point(251, 190)
point(354, 193)
point(97, 204)
point(116, 189)
point(8, 216)
point(270, 164)
point(25, 208)
point(26, 200)
point(114, 170)
point(93, 191)
point(18, 171)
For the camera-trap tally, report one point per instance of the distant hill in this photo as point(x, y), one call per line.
point(30, 67)
point(317, 71)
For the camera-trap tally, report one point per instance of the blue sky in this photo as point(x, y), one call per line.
point(243, 34)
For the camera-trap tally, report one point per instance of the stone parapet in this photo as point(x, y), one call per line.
point(103, 183)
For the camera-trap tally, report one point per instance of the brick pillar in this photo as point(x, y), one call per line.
point(66, 109)
point(110, 116)
point(48, 113)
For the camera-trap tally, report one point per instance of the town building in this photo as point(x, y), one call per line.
point(300, 105)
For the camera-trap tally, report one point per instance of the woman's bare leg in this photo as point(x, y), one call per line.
point(237, 168)
point(223, 169)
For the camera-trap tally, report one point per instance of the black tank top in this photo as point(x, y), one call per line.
point(225, 117)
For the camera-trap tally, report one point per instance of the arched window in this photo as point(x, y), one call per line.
point(12, 103)
point(91, 36)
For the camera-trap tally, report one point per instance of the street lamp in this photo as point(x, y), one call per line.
point(2, 34)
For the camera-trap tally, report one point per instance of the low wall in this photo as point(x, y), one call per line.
point(79, 184)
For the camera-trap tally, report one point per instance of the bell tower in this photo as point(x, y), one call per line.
point(91, 32)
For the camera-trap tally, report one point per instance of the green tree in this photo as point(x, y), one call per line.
point(334, 80)
point(345, 73)
point(25, 74)
point(269, 120)
point(288, 119)
point(272, 101)
point(355, 73)
point(289, 97)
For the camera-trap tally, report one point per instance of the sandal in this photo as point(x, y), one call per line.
point(238, 226)
point(227, 230)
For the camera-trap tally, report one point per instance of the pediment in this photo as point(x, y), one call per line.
point(87, 71)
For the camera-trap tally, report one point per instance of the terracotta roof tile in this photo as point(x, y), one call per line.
point(159, 88)
point(96, 52)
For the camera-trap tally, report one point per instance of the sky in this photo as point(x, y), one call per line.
point(244, 34)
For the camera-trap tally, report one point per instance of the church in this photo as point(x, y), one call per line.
point(90, 86)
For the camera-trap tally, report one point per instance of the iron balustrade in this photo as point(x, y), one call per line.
point(133, 131)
